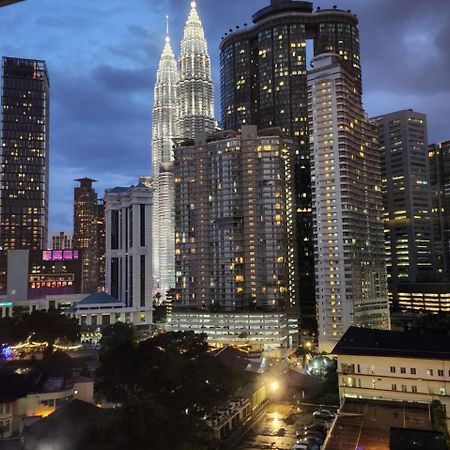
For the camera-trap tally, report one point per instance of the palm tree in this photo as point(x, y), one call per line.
point(303, 352)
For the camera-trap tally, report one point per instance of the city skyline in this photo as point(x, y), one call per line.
point(126, 65)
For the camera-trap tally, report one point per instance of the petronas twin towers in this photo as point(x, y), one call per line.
point(183, 106)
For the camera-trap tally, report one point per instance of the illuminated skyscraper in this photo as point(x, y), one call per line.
point(24, 155)
point(263, 72)
point(164, 130)
point(234, 228)
point(406, 198)
point(85, 232)
point(347, 205)
point(196, 88)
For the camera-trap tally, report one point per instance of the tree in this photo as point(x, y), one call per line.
point(48, 326)
point(165, 383)
point(9, 330)
point(303, 353)
point(45, 326)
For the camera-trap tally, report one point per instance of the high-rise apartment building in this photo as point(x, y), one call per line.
point(264, 83)
point(61, 240)
point(439, 162)
point(196, 105)
point(165, 128)
point(24, 154)
point(347, 205)
point(129, 245)
point(406, 197)
point(233, 220)
point(85, 232)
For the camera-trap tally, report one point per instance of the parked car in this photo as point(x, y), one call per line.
point(315, 434)
point(301, 446)
point(319, 426)
point(324, 414)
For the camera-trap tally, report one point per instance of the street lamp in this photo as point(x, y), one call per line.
point(274, 386)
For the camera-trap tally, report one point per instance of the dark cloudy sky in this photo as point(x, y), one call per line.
point(103, 54)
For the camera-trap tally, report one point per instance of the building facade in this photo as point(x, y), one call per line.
point(264, 83)
point(350, 269)
point(196, 96)
point(395, 366)
point(406, 198)
point(165, 128)
point(234, 229)
point(258, 330)
point(86, 235)
point(24, 154)
point(129, 245)
point(61, 240)
point(34, 274)
point(439, 163)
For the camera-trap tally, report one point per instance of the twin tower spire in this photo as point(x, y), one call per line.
point(183, 106)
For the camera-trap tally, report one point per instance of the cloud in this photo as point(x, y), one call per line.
point(102, 57)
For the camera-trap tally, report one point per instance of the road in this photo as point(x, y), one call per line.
point(266, 434)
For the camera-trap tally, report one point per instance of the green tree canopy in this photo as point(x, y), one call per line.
point(165, 385)
point(41, 325)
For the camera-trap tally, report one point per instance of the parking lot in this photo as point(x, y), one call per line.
point(277, 428)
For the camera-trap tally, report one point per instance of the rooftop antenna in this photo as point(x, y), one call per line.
point(167, 29)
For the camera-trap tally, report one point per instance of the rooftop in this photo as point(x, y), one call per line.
point(367, 424)
point(98, 298)
point(370, 342)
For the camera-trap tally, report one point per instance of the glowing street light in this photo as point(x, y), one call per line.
point(274, 386)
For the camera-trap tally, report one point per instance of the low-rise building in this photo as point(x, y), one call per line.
point(245, 405)
point(396, 366)
point(370, 425)
point(258, 330)
point(93, 311)
point(23, 401)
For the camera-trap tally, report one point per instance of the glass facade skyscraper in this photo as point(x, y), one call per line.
point(264, 83)
point(406, 198)
point(24, 154)
point(196, 113)
point(165, 128)
point(86, 237)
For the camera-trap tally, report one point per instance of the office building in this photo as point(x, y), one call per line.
point(423, 297)
point(61, 240)
point(264, 83)
point(233, 223)
point(129, 245)
point(406, 198)
point(35, 274)
point(347, 206)
point(439, 162)
point(101, 243)
point(165, 128)
point(394, 366)
point(196, 106)
point(85, 232)
point(24, 154)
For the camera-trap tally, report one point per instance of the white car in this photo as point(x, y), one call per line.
point(324, 414)
point(300, 447)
